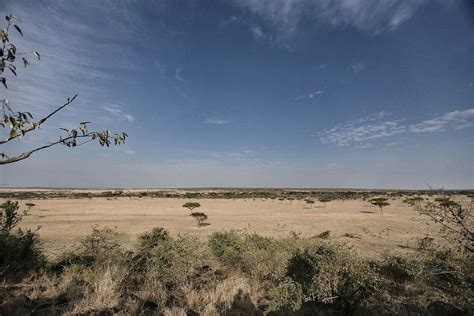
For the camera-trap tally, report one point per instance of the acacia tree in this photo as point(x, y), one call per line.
point(380, 202)
point(18, 124)
point(191, 205)
point(324, 200)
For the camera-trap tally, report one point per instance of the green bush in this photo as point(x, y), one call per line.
point(148, 240)
point(20, 251)
point(288, 295)
point(227, 246)
point(101, 244)
point(400, 268)
point(180, 261)
point(329, 273)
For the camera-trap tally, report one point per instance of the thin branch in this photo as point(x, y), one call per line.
point(37, 124)
point(28, 153)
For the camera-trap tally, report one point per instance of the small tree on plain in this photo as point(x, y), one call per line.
point(310, 202)
point(200, 218)
point(30, 206)
point(191, 206)
point(324, 200)
point(380, 202)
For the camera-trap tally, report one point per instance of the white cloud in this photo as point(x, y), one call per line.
point(374, 127)
point(311, 95)
point(357, 67)
point(178, 74)
point(216, 121)
point(372, 16)
point(118, 112)
point(452, 120)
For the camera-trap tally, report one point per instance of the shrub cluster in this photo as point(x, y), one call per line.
point(237, 272)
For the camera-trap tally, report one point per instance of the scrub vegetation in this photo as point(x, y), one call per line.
point(236, 272)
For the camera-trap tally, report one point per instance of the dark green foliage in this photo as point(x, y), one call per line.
point(380, 202)
point(179, 260)
point(328, 273)
point(191, 205)
point(288, 295)
point(226, 246)
point(148, 240)
point(400, 268)
point(20, 250)
point(310, 202)
point(325, 199)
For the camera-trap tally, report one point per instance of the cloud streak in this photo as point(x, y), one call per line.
point(216, 121)
point(373, 16)
point(311, 95)
point(118, 113)
point(375, 126)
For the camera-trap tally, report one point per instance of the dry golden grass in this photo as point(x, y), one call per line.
point(64, 221)
point(104, 290)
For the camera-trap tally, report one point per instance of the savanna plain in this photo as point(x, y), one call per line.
point(240, 252)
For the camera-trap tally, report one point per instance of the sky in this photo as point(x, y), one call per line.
point(249, 93)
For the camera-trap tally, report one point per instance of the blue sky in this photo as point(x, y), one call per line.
point(250, 93)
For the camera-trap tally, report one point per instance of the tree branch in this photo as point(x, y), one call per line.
point(37, 124)
point(27, 154)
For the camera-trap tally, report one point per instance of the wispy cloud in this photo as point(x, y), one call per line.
point(311, 95)
point(376, 126)
point(178, 74)
point(118, 113)
point(75, 58)
point(216, 121)
point(453, 120)
point(372, 16)
point(260, 35)
point(357, 67)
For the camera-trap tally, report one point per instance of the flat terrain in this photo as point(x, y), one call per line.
point(65, 221)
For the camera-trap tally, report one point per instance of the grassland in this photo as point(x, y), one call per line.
point(264, 251)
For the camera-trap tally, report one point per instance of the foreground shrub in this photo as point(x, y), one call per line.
point(20, 250)
point(400, 268)
point(455, 219)
point(148, 240)
point(227, 246)
point(102, 243)
point(330, 273)
point(180, 261)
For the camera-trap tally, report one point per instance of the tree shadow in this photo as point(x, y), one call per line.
point(242, 305)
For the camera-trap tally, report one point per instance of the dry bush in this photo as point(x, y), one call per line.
point(174, 311)
point(103, 289)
